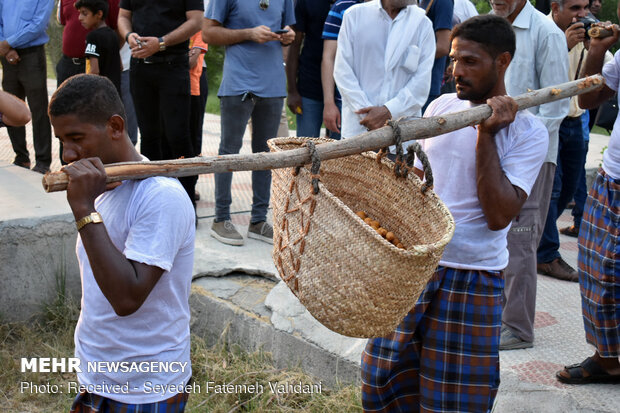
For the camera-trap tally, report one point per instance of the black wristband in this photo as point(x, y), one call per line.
point(127, 36)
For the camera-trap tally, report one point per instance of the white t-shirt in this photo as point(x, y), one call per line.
point(151, 221)
point(521, 147)
point(611, 156)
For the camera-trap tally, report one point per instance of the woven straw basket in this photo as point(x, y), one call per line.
point(347, 275)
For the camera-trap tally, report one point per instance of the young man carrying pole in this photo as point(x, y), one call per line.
point(135, 250)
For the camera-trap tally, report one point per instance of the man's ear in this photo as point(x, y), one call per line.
point(99, 14)
point(503, 61)
point(116, 127)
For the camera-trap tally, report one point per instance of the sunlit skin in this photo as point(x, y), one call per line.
point(475, 71)
point(509, 9)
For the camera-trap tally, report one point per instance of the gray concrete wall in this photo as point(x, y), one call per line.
point(37, 245)
point(215, 319)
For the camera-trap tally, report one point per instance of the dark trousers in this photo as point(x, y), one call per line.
point(161, 97)
point(567, 172)
point(197, 116)
point(28, 80)
point(236, 111)
point(67, 67)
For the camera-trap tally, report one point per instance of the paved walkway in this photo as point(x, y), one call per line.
point(528, 381)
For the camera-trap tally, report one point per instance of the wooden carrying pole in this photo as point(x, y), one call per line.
point(374, 140)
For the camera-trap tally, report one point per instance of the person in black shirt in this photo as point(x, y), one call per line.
point(158, 33)
point(101, 42)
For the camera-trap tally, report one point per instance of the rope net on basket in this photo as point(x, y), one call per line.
point(350, 278)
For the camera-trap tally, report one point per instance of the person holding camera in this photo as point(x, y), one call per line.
point(571, 17)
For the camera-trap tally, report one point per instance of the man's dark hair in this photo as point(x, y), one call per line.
point(493, 33)
point(91, 98)
point(94, 6)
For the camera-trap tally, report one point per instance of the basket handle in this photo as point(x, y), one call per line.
point(403, 164)
point(316, 166)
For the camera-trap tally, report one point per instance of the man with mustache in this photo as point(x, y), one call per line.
point(444, 356)
point(540, 60)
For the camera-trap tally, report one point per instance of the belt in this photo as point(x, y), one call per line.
point(572, 119)
point(78, 61)
point(169, 58)
point(28, 50)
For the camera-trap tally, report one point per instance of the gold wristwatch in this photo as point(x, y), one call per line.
point(93, 217)
point(162, 44)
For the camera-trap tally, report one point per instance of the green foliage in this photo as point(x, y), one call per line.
point(54, 47)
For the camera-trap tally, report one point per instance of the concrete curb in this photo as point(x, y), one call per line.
point(216, 319)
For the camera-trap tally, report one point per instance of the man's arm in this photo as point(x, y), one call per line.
point(214, 33)
point(31, 27)
point(350, 90)
point(442, 43)
point(292, 66)
point(331, 114)
point(14, 110)
point(93, 65)
point(125, 27)
point(553, 47)
point(150, 44)
point(594, 65)
point(500, 200)
point(125, 283)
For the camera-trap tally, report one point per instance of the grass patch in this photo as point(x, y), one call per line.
point(52, 336)
point(600, 131)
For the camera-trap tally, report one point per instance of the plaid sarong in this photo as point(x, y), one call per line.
point(599, 272)
point(92, 403)
point(444, 356)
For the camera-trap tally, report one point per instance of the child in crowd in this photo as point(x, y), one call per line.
point(102, 44)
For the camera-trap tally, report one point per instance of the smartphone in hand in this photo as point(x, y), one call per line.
point(281, 31)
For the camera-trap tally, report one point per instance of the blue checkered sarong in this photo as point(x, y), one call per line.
point(599, 272)
point(86, 402)
point(444, 356)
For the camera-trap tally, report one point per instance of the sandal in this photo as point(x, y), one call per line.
point(571, 231)
point(596, 373)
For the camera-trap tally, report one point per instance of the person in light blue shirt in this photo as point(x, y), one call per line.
point(24, 73)
point(253, 86)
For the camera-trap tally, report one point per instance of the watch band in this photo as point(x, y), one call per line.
point(127, 36)
point(162, 44)
point(93, 217)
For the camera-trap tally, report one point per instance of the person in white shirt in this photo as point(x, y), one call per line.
point(599, 238)
point(383, 63)
point(444, 356)
point(541, 60)
point(463, 10)
point(135, 251)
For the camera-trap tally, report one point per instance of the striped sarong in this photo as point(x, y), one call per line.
point(599, 271)
point(92, 403)
point(444, 356)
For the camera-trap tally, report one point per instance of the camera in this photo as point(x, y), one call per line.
point(587, 23)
